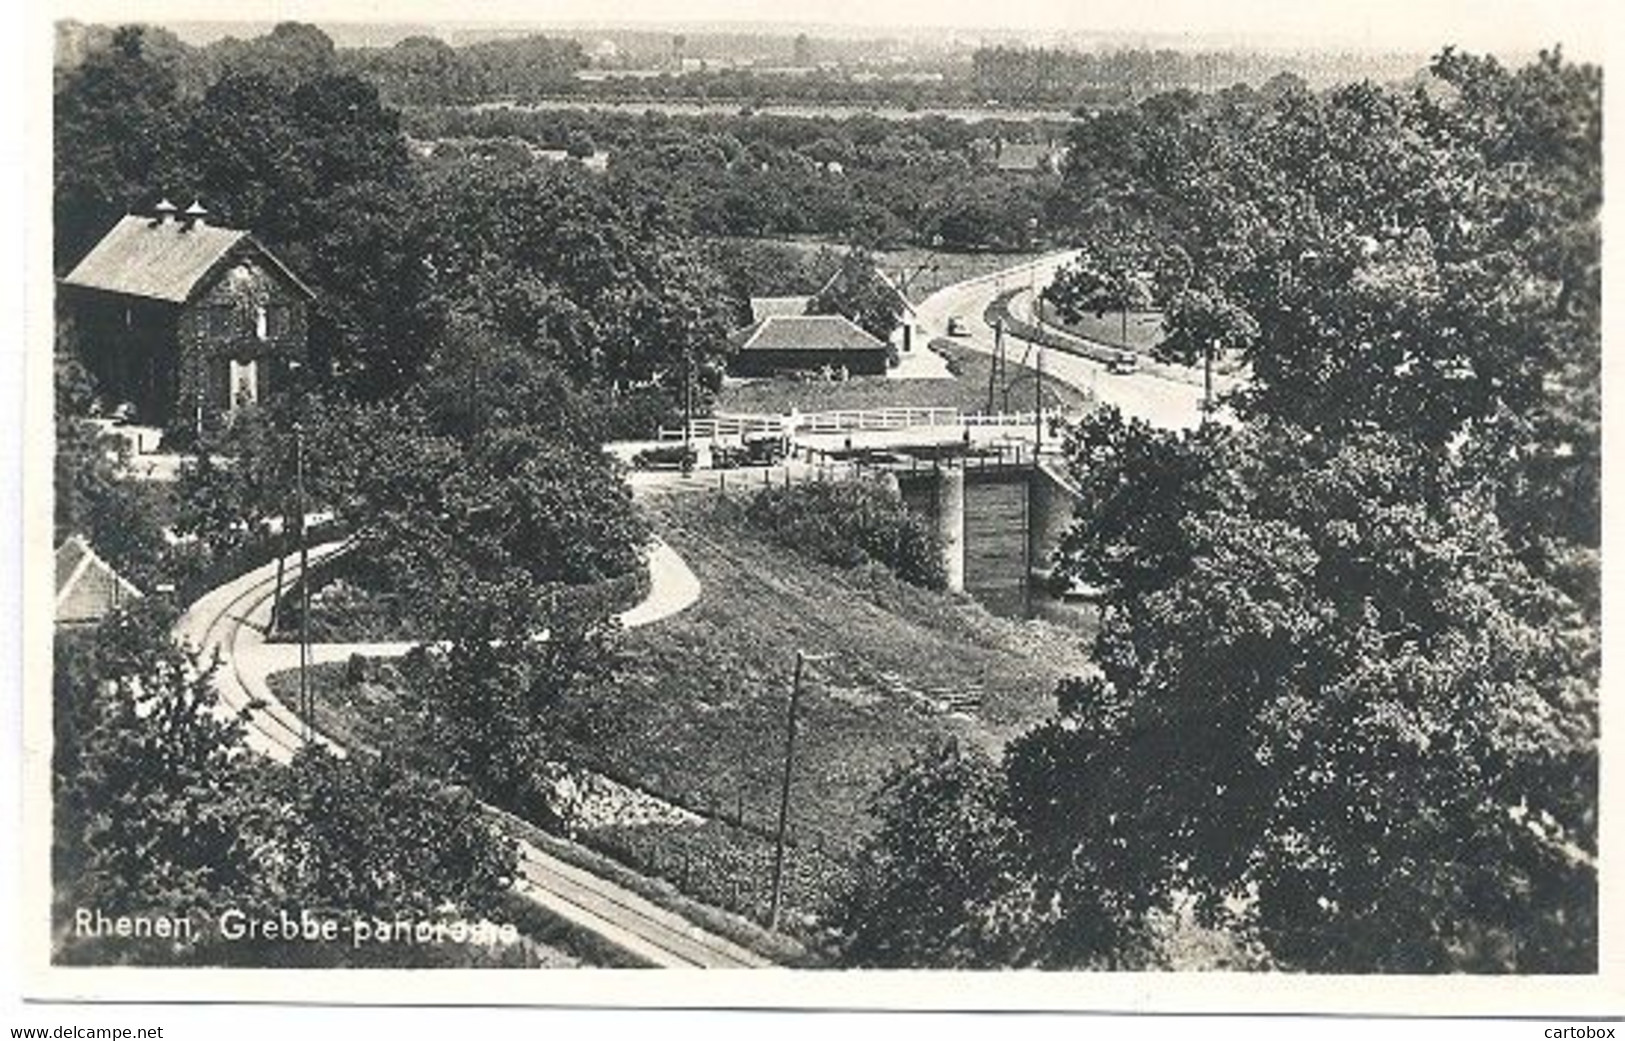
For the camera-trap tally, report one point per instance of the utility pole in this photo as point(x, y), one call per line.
point(1207, 380)
point(997, 364)
point(784, 794)
point(688, 409)
point(304, 580)
point(1038, 406)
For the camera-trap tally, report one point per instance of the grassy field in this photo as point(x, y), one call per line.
point(967, 392)
point(701, 706)
point(705, 694)
point(1144, 328)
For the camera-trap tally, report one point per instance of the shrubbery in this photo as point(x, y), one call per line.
point(850, 523)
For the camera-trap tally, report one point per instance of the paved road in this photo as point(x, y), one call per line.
point(1166, 403)
point(230, 621)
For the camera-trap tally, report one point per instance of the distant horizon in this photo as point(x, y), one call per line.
point(1506, 28)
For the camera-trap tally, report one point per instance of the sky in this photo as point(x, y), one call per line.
point(1406, 25)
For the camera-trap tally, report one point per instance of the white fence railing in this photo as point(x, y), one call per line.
point(844, 421)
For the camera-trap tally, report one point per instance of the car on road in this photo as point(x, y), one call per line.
point(1123, 363)
point(765, 449)
point(957, 327)
point(666, 457)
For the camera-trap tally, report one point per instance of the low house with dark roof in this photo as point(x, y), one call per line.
point(186, 321)
point(87, 587)
point(806, 343)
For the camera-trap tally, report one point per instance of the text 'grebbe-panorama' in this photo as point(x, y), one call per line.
point(234, 925)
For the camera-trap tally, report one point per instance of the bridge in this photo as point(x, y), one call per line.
point(990, 484)
point(998, 515)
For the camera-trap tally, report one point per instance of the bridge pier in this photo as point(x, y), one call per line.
point(948, 491)
point(1050, 513)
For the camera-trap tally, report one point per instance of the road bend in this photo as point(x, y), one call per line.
point(228, 624)
point(1170, 404)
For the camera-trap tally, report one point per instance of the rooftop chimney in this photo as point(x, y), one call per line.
point(193, 217)
point(163, 213)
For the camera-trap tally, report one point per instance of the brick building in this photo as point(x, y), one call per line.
point(185, 321)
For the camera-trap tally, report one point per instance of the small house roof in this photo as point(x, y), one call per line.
point(812, 332)
point(879, 275)
point(163, 259)
point(773, 306)
point(75, 561)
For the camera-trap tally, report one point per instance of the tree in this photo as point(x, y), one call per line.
point(154, 809)
point(159, 809)
point(1329, 638)
point(94, 498)
point(501, 698)
point(932, 887)
point(291, 53)
point(1120, 280)
point(115, 121)
point(364, 837)
point(590, 277)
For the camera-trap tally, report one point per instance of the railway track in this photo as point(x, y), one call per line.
point(224, 621)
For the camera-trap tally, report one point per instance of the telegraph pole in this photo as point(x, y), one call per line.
point(784, 794)
point(996, 363)
point(1038, 406)
point(688, 408)
point(1207, 380)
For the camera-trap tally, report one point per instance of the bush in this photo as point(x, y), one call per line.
point(851, 523)
point(731, 867)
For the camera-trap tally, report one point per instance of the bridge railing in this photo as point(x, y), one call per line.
point(843, 421)
point(723, 425)
point(995, 456)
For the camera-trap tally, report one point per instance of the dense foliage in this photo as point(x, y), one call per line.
point(862, 178)
point(850, 523)
point(591, 276)
point(158, 811)
point(1346, 703)
point(749, 69)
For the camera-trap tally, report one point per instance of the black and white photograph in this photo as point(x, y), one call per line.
point(1038, 495)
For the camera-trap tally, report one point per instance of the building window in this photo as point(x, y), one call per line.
point(259, 322)
point(278, 318)
point(219, 322)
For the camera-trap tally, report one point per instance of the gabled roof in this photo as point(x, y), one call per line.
point(164, 260)
point(812, 332)
point(773, 306)
point(908, 307)
point(879, 275)
point(77, 563)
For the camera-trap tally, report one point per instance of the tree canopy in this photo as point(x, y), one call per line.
point(1345, 703)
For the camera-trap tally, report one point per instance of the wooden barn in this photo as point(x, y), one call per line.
point(185, 321)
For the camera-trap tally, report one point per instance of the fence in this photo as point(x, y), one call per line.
point(860, 463)
point(725, 425)
point(844, 421)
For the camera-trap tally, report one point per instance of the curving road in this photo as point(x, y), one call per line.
point(1171, 404)
point(230, 622)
